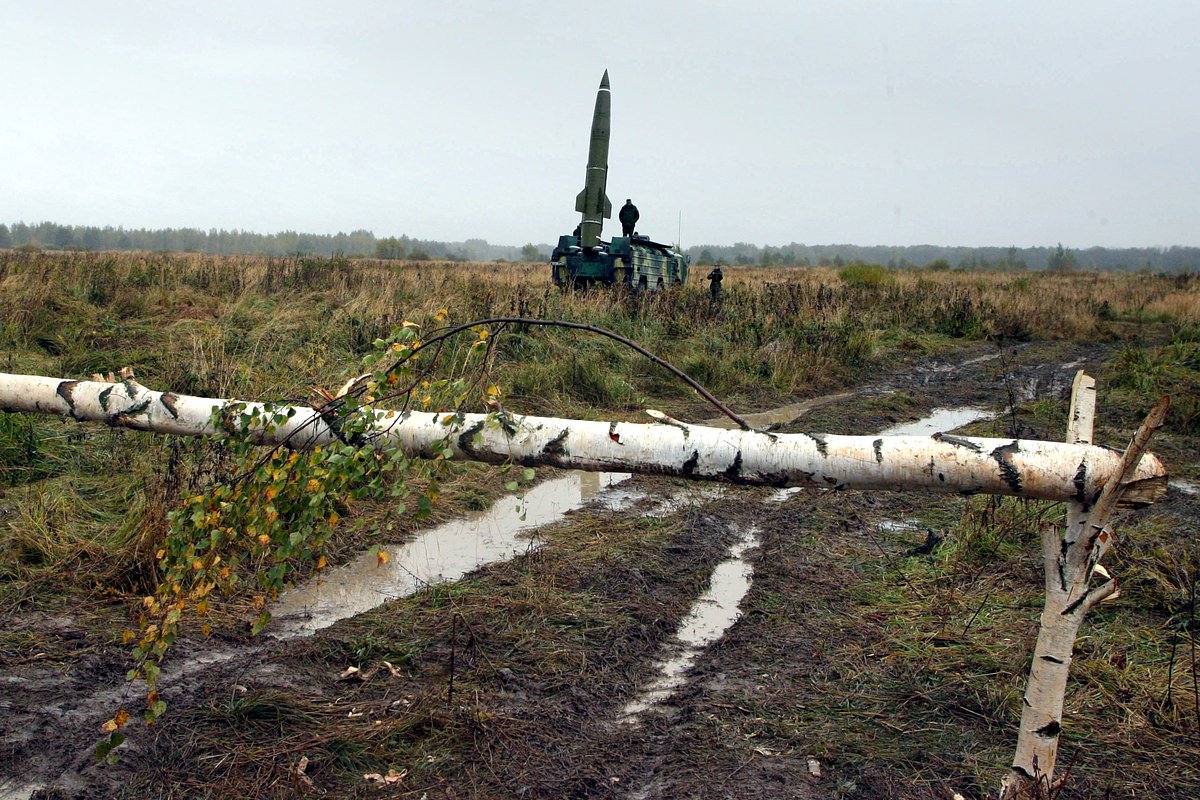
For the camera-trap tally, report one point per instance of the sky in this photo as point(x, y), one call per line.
point(893, 123)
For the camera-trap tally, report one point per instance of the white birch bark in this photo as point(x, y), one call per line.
point(943, 463)
point(1070, 558)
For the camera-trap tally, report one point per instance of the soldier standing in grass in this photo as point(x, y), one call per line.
point(629, 216)
point(714, 282)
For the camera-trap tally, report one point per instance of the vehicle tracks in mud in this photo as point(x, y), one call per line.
point(55, 733)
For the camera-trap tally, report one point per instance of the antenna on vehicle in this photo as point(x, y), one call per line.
point(679, 233)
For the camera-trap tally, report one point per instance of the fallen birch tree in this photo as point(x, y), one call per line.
point(940, 463)
point(1091, 480)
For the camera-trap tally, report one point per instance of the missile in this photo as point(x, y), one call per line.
point(592, 202)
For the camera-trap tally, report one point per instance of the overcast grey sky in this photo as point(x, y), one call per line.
point(952, 123)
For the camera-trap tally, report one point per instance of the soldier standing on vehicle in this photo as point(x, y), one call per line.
point(714, 282)
point(629, 216)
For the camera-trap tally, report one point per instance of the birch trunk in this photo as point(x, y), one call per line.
point(1070, 558)
point(944, 463)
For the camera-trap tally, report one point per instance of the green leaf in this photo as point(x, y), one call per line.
point(528, 474)
point(259, 623)
point(511, 486)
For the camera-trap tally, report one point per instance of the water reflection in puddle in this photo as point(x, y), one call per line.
point(1187, 487)
point(442, 554)
point(940, 420)
point(783, 415)
point(711, 615)
point(18, 791)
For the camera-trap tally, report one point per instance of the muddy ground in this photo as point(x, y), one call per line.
point(865, 664)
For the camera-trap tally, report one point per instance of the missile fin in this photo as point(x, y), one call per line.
point(581, 201)
point(607, 207)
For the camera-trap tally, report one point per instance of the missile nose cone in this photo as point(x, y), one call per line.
point(604, 80)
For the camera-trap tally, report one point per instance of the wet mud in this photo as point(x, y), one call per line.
point(699, 689)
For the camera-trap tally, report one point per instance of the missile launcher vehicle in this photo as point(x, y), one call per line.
point(583, 259)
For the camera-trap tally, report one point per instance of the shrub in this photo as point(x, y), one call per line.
point(871, 276)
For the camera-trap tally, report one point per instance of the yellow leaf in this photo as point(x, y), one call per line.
point(483, 335)
point(321, 562)
point(441, 314)
point(202, 607)
point(160, 554)
point(147, 602)
point(206, 629)
point(127, 637)
point(197, 565)
point(263, 539)
point(381, 558)
point(116, 723)
point(270, 493)
point(333, 519)
point(313, 485)
point(407, 324)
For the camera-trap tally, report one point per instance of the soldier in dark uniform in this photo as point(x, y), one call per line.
point(629, 216)
point(714, 282)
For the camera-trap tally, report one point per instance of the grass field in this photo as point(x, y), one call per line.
point(901, 673)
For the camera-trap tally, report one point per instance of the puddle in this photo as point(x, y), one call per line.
point(442, 554)
point(711, 615)
point(779, 495)
point(774, 417)
point(18, 791)
point(940, 421)
point(1187, 487)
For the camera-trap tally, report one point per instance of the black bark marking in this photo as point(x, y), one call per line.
point(942, 477)
point(170, 402)
point(554, 447)
point(107, 393)
point(1053, 660)
point(1024, 772)
point(1003, 455)
point(506, 423)
point(66, 390)
point(1049, 730)
point(1080, 482)
point(958, 441)
point(878, 446)
point(689, 466)
point(1069, 610)
point(127, 418)
point(734, 471)
point(466, 439)
point(822, 445)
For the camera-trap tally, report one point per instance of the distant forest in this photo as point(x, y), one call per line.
point(364, 243)
point(52, 235)
point(1056, 257)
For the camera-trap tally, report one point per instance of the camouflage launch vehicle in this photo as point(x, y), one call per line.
point(583, 259)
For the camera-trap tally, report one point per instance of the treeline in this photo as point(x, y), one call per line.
point(1055, 257)
point(364, 243)
point(52, 235)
